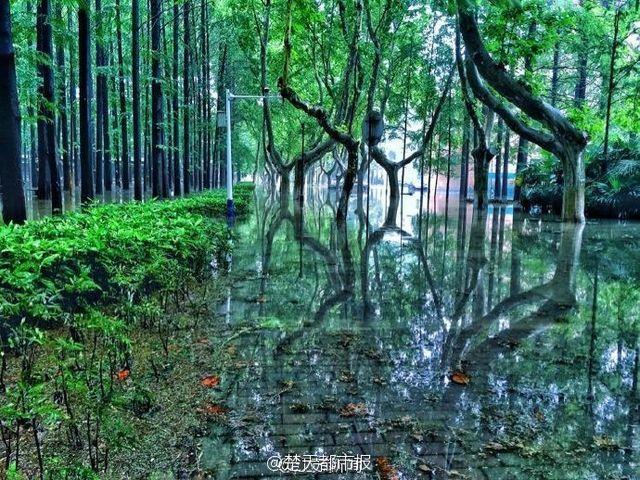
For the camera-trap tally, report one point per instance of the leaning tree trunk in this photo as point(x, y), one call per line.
point(561, 137)
point(13, 203)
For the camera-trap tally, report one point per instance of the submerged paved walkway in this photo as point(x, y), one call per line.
point(334, 384)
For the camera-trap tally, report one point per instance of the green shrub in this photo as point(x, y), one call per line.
point(57, 266)
point(99, 274)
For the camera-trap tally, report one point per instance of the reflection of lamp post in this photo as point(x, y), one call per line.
point(372, 130)
point(300, 175)
point(231, 210)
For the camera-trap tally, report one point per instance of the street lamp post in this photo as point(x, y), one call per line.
point(231, 209)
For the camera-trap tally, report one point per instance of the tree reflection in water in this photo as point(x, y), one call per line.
point(542, 316)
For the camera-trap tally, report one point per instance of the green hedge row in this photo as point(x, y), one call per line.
point(61, 265)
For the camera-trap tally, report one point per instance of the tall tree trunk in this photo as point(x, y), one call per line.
point(219, 146)
point(33, 149)
point(84, 72)
point(135, 84)
point(610, 87)
point(497, 190)
point(62, 106)
point(47, 120)
point(106, 129)
point(523, 143)
point(580, 91)
point(186, 98)
point(157, 107)
point(464, 160)
point(505, 162)
point(555, 74)
point(175, 111)
point(521, 164)
point(124, 134)
point(73, 120)
point(13, 202)
point(482, 156)
point(164, 136)
point(205, 95)
point(100, 107)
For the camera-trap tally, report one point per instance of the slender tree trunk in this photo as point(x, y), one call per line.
point(580, 91)
point(164, 135)
point(521, 164)
point(497, 190)
point(106, 128)
point(47, 120)
point(555, 74)
point(610, 87)
point(100, 114)
point(157, 107)
point(175, 111)
point(464, 160)
point(84, 72)
point(135, 84)
point(505, 162)
point(124, 134)
point(205, 96)
point(186, 153)
point(33, 149)
point(62, 120)
point(13, 201)
point(523, 143)
point(218, 146)
point(73, 123)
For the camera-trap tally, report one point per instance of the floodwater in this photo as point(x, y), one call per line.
point(453, 345)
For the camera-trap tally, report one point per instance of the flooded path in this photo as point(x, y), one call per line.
point(451, 346)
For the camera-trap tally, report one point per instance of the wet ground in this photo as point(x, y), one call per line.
point(489, 347)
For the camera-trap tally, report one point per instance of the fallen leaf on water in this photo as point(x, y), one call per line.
point(385, 469)
point(213, 409)
point(460, 378)
point(300, 407)
point(455, 474)
point(122, 375)
point(354, 410)
point(210, 381)
point(495, 447)
point(287, 385)
point(605, 443)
